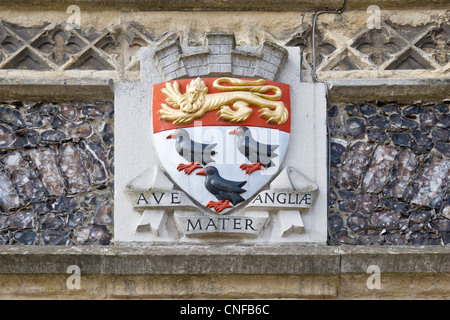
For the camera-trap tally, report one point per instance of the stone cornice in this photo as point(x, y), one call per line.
point(224, 259)
point(221, 5)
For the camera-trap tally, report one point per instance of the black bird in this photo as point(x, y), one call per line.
point(224, 190)
point(192, 151)
point(259, 154)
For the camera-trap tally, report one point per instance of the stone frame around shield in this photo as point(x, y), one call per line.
point(150, 208)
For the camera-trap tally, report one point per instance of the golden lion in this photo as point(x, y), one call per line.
point(184, 108)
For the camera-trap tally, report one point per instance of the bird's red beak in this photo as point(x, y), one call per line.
point(170, 136)
point(201, 173)
point(234, 132)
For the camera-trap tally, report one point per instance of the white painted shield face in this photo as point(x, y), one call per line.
point(225, 157)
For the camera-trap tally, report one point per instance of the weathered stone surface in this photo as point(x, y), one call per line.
point(394, 205)
point(66, 204)
point(366, 203)
point(92, 111)
point(34, 120)
point(402, 174)
point(357, 159)
point(420, 238)
point(428, 120)
point(432, 183)
point(376, 135)
point(108, 133)
point(440, 224)
point(75, 219)
point(23, 177)
point(380, 122)
point(421, 143)
point(44, 160)
point(396, 239)
point(337, 152)
point(72, 168)
point(367, 109)
point(441, 135)
point(385, 220)
point(443, 148)
point(373, 238)
point(335, 222)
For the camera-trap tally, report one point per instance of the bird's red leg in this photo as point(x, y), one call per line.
point(213, 204)
point(223, 206)
point(188, 168)
point(250, 168)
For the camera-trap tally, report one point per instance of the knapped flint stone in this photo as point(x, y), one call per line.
point(427, 121)
point(367, 109)
point(53, 136)
point(334, 177)
point(101, 234)
point(385, 220)
point(23, 219)
point(25, 237)
point(9, 198)
point(351, 110)
point(47, 109)
point(433, 181)
point(75, 219)
point(92, 111)
point(82, 234)
point(33, 136)
point(394, 205)
point(342, 237)
point(51, 221)
point(421, 143)
point(12, 117)
point(357, 223)
point(333, 127)
point(441, 135)
point(380, 122)
point(395, 239)
point(390, 109)
point(54, 237)
point(418, 219)
point(381, 165)
point(333, 111)
point(337, 152)
point(81, 129)
point(419, 238)
point(7, 137)
point(400, 122)
point(44, 160)
point(108, 133)
point(43, 207)
point(347, 205)
point(376, 135)
point(373, 238)
point(366, 203)
point(20, 142)
point(23, 177)
point(103, 214)
point(411, 111)
point(335, 222)
point(357, 159)
point(72, 168)
point(400, 138)
point(440, 224)
point(356, 127)
point(332, 197)
point(4, 223)
point(34, 120)
point(442, 108)
point(402, 174)
point(3, 239)
point(68, 112)
point(66, 204)
point(96, 163)
point(444, 121)
point(445, 209)
point(443, 148)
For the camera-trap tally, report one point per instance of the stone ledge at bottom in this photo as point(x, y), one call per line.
point(224, 272)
